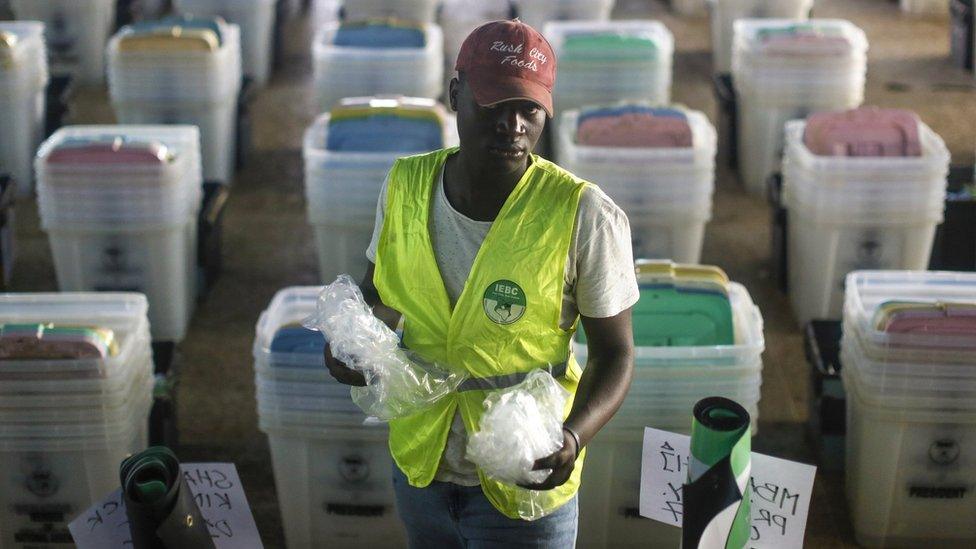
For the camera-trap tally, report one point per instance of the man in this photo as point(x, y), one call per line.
point(490, 255)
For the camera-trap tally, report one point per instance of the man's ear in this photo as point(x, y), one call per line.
point(452, 93)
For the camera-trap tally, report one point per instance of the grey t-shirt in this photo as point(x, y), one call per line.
point(599, 279)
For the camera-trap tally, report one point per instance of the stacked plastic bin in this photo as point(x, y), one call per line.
point(181, 71)
point(723, 13)
point(23, 81)
point(927, 7)
point(256, 21)
point(848, 213)
point(332, 468)
point(664, 181)
point(458, 18)
point(668, 381)
point(68, 415)
point(356, 59)
point(408, 10)
point(787, 69)
point(75, 32)
point(605, 62)
point(539, 12)
point(909, 354)
point(119, 205)
point(688, 7)
point(345, 171)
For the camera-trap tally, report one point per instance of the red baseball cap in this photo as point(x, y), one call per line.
point(505, 60)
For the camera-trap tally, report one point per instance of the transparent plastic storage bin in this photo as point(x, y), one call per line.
point(23, 83)
point(929, 7)
point(422, 11)
point(909, 474)
point(665, 192)
point(55, 480)
point(75, 33)
point(256, 21)
point(821, 253)
point(217, 122)
point(583, 82)
point(844, 187)
point(724, 13)
point(335, 488)
point(160, 262)
point(341, 249)
point(341, 191)
point(773, 88)
point(868, 289)
point(762, 118)
point(688, 7)
point(340, 71)
point(678, 237)
point(537, 13)
point(124, 313)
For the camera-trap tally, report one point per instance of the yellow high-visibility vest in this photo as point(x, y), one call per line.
point(506, 320)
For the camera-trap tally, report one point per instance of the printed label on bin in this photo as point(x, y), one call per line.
point(870, 249)
point(61, 36)
point(118, 266)
point(504, 302)
point(218, 493)
point(780, 490)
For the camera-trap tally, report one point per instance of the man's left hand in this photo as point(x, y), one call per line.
point(561, 462)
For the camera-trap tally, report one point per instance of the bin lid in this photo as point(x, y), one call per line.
point(864, 131)
point(50, 341)
point(380, 33)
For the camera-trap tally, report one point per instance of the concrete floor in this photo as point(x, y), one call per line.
point(268, 244)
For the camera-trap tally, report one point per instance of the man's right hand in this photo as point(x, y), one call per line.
point(341, 372)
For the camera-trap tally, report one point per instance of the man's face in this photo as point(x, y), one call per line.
point(500, 136)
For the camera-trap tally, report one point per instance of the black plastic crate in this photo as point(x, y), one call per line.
point(242, 137)
point(778, 232)
point(728, 119)
point(954, 248)
point(56, 98)
point(210, 229)
point(961, 34)
point(7, 191)
point(826, 424)
point(163, 430)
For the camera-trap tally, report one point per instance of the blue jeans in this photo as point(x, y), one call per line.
point(446, 515)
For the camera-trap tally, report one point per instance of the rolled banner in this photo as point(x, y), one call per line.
point(716, 497)
point(160, 507)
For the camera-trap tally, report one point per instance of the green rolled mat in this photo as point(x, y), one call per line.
point(716, 497)
point(160, 507)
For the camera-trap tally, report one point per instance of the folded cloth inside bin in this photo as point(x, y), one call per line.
point(865, 131)
point(386, 125)
point(389, 33)
point(681, 306)
point(634, 126)
point(920, 317)
point(109, 149)
point(803, 39)
point(607, 46)
point(56, 342)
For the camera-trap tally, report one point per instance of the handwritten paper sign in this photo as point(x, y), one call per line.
point(218, 493)
point(781, 490)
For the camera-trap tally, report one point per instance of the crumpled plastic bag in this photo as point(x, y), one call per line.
point(399, 382)
point(520, 425)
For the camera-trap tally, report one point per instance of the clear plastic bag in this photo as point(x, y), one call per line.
point(520, 425)
point(399, 383)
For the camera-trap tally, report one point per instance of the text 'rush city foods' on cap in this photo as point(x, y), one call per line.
point(506, 60)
